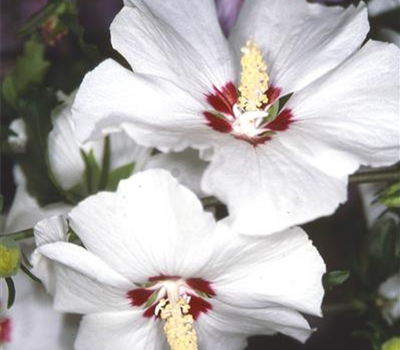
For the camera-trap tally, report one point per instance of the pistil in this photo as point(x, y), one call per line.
point(178, 327)
point(254, 79)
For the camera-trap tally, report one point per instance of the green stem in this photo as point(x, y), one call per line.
point(376, 176)
point(105, 168)
point(209, 202)
point(20, 235)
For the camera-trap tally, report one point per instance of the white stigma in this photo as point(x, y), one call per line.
point(248, 123)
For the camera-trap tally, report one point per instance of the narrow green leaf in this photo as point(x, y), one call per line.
point(11, 292)
point(92, 171)
point(391, 196)
point(151, 300)
point(119, 174)
point(29, 274)
point(105, 168)
point(335, 278)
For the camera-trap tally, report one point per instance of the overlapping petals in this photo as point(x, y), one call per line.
point(153, 227)
point(299, 172)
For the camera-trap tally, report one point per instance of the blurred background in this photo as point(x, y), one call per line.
point(75, 39)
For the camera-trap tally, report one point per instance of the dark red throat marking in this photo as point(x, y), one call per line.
point(198, 304)
point(5, 330)
point(223, 100)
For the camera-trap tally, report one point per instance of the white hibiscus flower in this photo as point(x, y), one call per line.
point(155, 268)
point(67, 164)
point(287, 110)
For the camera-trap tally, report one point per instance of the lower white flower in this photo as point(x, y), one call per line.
point(390, 292)
point(158, 272)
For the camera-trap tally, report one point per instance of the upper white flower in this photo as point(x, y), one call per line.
point(154, 264)
point(274, 162)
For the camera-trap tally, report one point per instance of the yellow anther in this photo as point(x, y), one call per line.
point(254, 79)
point(178, 326)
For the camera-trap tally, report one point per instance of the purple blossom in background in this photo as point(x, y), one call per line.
point(228, 11)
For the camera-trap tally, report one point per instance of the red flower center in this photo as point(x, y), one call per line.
point(222, 117)
point(151, 293)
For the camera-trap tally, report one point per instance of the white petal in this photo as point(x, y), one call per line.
point(35, 322)
point(190, 49)
point(269, 188)
point(390, 289)
point(126, 151)
point(84, 283)
point(239, 322)
point(18, 142)
point(186, 167)
point(301, 174)
point(378, 7)
point(282, 270)
point(211, 336)
point(51, 230)
point(119, 331)
point(349, 114)
point(64, 151)
point(153, 111)
point(151, 226)
point(25, 211)
point(300, 41)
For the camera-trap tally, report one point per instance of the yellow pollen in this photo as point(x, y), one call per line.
point(178, 326)
point(254, 79)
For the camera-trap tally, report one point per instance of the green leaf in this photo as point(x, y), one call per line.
point(391, 196)
point(392, 344)
point(105, 168)
point(11, 292)
point(335, 278)
point(10, 257)
point(380, 256)
point(119, 174)
point(92, 171)
point(30, 69)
